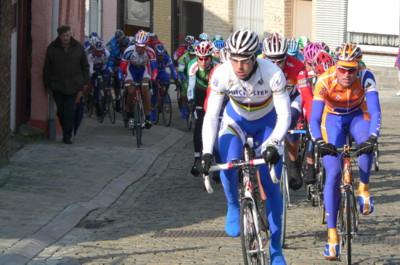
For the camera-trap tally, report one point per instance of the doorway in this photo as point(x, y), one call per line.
point(302, 18)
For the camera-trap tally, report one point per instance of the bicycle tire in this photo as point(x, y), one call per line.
point(138, 124)
point(376, 160)
point(285, 204)
point(250, 241)
point(166, 110)
point(110, 107)
point(320, 186)
point(89, 105)
point(348, 225)
point(189, 121)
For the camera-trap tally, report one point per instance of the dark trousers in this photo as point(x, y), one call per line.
point(65, 112)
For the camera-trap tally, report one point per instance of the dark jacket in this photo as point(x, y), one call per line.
point(65, 71)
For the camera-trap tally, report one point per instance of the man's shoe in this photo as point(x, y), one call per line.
point(309, 175)
point(332, 247)
point(232, 222)
point(365, 200)
point(295, 180)
point(278, 259)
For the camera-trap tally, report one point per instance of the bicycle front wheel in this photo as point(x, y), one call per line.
point(346, 225)
point(138, 124)
point(252, 238)
point(166, 110)
point(285, 203)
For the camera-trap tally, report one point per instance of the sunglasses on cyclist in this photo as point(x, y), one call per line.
point(349, 70)
point(204, 58)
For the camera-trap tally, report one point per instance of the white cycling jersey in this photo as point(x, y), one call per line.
point(134, 58)
point(96, 59)
point(251, 99)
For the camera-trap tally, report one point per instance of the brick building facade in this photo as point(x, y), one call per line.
point(6, 25)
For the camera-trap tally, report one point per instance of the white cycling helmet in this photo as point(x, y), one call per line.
point(242, 42)
point(275, 47)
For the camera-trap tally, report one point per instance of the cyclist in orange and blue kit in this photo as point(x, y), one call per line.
point(345, 102)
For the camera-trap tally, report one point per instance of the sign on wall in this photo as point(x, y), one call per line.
point(374, 17)
point(138, 13)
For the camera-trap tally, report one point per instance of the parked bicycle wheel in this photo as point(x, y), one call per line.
point(253, 240)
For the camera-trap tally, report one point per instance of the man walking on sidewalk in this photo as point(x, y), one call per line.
point(66, 71)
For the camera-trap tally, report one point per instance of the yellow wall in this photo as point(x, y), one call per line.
point(162, 21)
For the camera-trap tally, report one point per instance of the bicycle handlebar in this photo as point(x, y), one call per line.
point(237, 164)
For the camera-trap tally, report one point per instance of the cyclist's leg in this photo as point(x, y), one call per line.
point(332, 164)
point(197, 141)
point(292, 145)
point(359, 128)
point(146, 98)
point(154, 99)
point(274, 203)
point(230, 148)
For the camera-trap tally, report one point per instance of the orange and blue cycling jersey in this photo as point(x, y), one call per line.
point(338, 100)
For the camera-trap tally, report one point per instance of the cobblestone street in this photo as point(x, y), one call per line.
point(167, 218)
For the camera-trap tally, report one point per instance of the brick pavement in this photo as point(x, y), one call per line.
point(166, 218)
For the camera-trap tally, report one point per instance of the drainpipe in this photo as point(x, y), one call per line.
point(52, 110)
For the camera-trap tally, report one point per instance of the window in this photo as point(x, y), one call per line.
point(249, 14)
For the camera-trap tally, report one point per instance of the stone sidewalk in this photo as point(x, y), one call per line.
point(48, 187)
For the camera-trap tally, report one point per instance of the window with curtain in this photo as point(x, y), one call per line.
point(249, 14)
point(374, 39)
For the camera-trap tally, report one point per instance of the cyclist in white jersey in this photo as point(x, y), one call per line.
point(259, 106)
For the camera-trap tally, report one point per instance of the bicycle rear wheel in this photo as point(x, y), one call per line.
point(252, 238)
point(166, 110)
point(138, 124)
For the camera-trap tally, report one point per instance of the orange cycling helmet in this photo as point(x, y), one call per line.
point(349, 55)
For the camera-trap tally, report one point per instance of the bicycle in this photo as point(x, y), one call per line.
point(254, 225)
point(133, 104)
point(348, 215)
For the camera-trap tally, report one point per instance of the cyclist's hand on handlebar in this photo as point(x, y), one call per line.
point(367, 147)
point(271, 155)
point(325, 148)
point(206, 162)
